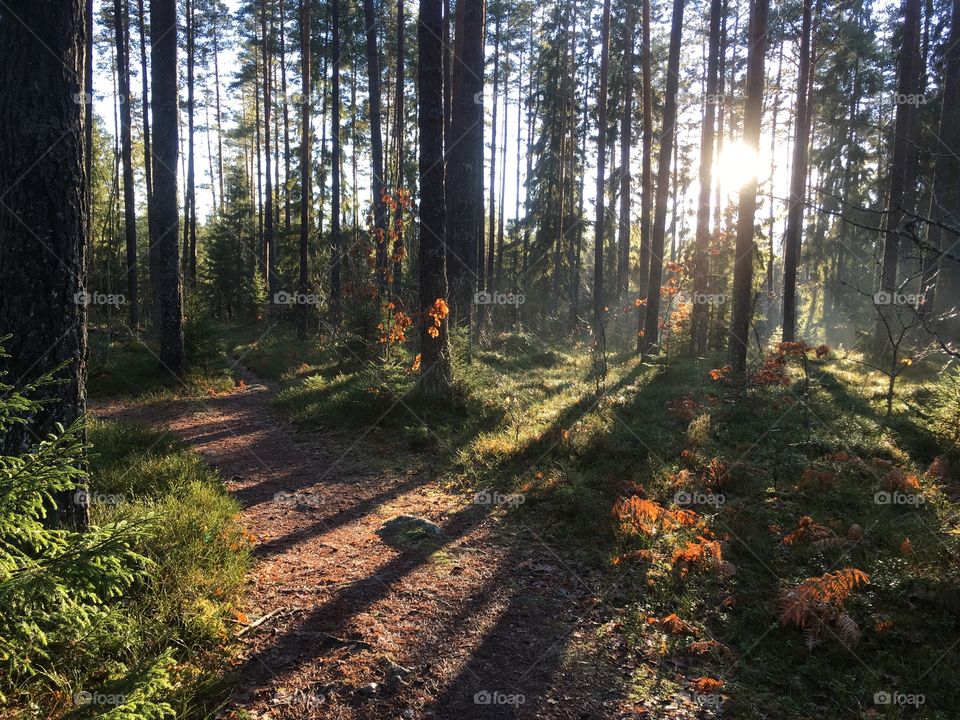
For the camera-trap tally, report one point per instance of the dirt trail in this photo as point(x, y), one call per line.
point(483, 621)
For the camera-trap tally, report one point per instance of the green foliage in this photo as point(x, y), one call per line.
point(57, 586)
point(130, 619)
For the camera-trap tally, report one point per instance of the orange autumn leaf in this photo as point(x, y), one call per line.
point(707, 685)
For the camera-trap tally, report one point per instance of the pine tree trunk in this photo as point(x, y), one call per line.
point(701, 255)
point(491, 231)
point(598, 294)
point(376, 145)
point(798, 181)
point(286, 120)
point(269, 242)
point(163, 48)
point(463, 174)
point(651, 329)
point(398, 128)
point(746, 247)
point(336, 242)
point(942, 272)
point(306, 191)
point(216, 78)
point(646, 173)
point(626, 138)
point(43, 218)
point(121, 32)
point(436, 372)
point(191, 199)
point(153, 251)
point(898, 190)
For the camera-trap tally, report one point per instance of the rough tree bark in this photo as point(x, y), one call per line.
point(43, 217)
point(463, 172)
point(436, 371)
point(163, 52)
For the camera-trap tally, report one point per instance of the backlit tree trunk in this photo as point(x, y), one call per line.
point(651, 329)
point(798, 181)
point(746, 247)
point(701, 255)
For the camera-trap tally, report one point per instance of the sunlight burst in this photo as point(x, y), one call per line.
point(736, 166)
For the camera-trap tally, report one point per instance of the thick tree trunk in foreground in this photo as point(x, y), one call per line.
point(701, 254)
point(651, 329)
point(464, 174)
point(122, 36)
point(798, 181)
point(436, 371)
point(163, 49)
point(745, 247)
point(43, 216)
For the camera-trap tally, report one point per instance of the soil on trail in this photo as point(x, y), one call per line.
point(480, 619)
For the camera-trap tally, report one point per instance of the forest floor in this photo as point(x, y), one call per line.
point(467, 617)
point(650, 544)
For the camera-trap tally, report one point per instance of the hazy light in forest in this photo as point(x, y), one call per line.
point(737, 165)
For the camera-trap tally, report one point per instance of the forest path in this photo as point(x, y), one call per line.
point(482, 620)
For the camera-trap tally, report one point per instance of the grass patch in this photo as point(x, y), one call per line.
point(130, 368)
point(188, 601)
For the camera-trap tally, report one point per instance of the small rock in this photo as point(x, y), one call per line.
point(409, 530)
